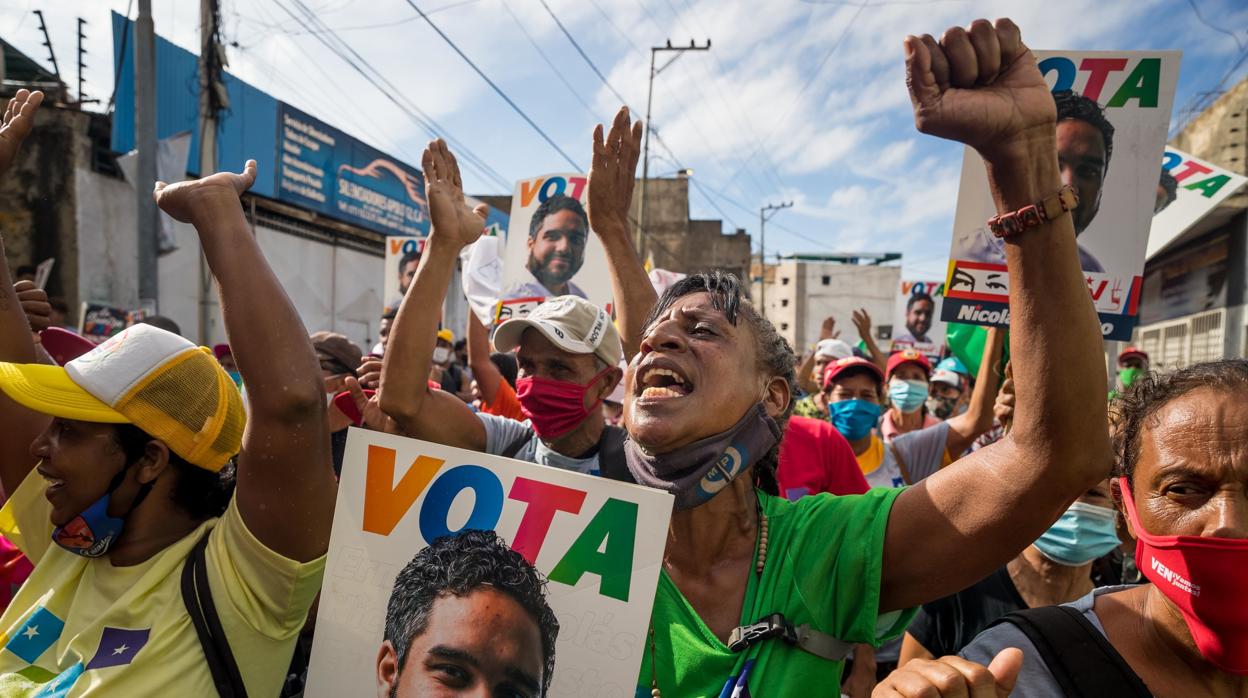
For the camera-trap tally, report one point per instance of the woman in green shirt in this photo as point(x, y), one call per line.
point(764, 596)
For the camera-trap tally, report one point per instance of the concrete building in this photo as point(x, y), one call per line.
point(801, 292)
point(1193, 304)
point(675, 241)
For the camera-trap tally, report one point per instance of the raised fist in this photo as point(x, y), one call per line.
point(980, 87)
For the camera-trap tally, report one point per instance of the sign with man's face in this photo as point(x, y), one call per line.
point(917, 323)
point(1113, 109)
point(550, 249)
point(402, 259)
point(436, 566)
point(1189, 189)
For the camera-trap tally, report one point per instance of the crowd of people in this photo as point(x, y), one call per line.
point(890, 526)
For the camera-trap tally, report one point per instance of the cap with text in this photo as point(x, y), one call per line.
point(145, 376)
point(840, 366)
point(571, 323)
point(908, 356)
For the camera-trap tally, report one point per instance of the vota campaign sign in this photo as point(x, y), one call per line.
point(412, 586)
point(916, 322)
point(326, 170)
point(1113, 109)
point(550, 250)
point(1188, 190)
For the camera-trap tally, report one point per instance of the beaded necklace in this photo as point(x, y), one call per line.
point(758, 572)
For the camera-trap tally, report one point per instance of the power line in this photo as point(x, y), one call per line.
point(549, 63)
point(433, 128)
point(805, 86)
point(389, 91)
point(495, 87)
point(1216, 28)
point(759, 185)
point(581, 51)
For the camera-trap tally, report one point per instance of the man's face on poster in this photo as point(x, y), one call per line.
point(406, 274)
point(1082, 161)
point(919, 318)
point(483, 643)
point(557, 251)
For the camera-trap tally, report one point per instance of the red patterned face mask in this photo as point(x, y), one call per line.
point(555, 407)
point(1206, 579)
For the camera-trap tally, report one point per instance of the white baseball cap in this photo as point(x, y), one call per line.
point(834, 349)
point(944, 375)
point(571, 323)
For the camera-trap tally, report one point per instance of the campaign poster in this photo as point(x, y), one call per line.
point(412, 586)
point(916, 322)
point(1189, 188)
point(402, 259)
point(97, 321)
point(1113, 112)
point(550, 249)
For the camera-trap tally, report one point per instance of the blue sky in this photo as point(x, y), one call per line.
point(796, 100)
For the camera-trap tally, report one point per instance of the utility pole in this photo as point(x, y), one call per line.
point(47, 41)
point(212, 99)
point(145, 142)
point(764, 214)
point(82, 64)
point(645, 158)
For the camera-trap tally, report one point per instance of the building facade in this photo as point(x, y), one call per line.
point(1193, 304)
point(798, 294)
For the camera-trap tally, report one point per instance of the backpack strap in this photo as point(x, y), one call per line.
point(511, 449)
point(1079, 656)
point(611, 462)
point(197, 597)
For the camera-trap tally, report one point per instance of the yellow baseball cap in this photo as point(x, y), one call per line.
point(446, 336)
point(145, 376)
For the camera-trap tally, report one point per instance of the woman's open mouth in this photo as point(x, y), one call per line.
point(661, 383)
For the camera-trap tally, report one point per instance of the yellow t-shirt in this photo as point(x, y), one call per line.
point(82, 627)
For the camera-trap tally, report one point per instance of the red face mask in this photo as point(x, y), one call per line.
point(555, 407)
point(1205, 578)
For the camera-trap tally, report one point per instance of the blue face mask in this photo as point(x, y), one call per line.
point(907, 396)
point(1083, 533)
point(854, 418)
point(93, 532)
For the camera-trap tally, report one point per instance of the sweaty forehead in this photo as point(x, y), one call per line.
point(1206, 429)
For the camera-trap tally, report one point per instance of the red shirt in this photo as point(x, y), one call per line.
point(815, 458)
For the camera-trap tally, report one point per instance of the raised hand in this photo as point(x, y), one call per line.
point(449, 213)
point(35, 304)
point(612, 174)
point(979, 87)
point(19, 119)
point(828, 329)
point(862, 322)
point(202, 198)
point(369, 407)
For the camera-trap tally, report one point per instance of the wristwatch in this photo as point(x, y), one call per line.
point(1049, 208)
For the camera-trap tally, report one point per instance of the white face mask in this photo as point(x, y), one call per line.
point(441, 355)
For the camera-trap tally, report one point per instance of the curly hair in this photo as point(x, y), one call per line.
point(1132, 410)
point(1072, 105)
point(1170, 185)
point(554, 205)
point(458, 565)
point(201, 493)
point(775, 356)
point(917, 297)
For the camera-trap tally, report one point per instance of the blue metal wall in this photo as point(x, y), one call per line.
point(177, 109)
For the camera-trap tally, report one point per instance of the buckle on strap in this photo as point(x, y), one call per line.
point(775, 625)
point(770, 626)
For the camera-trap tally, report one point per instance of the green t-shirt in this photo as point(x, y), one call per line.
point(824, 561)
